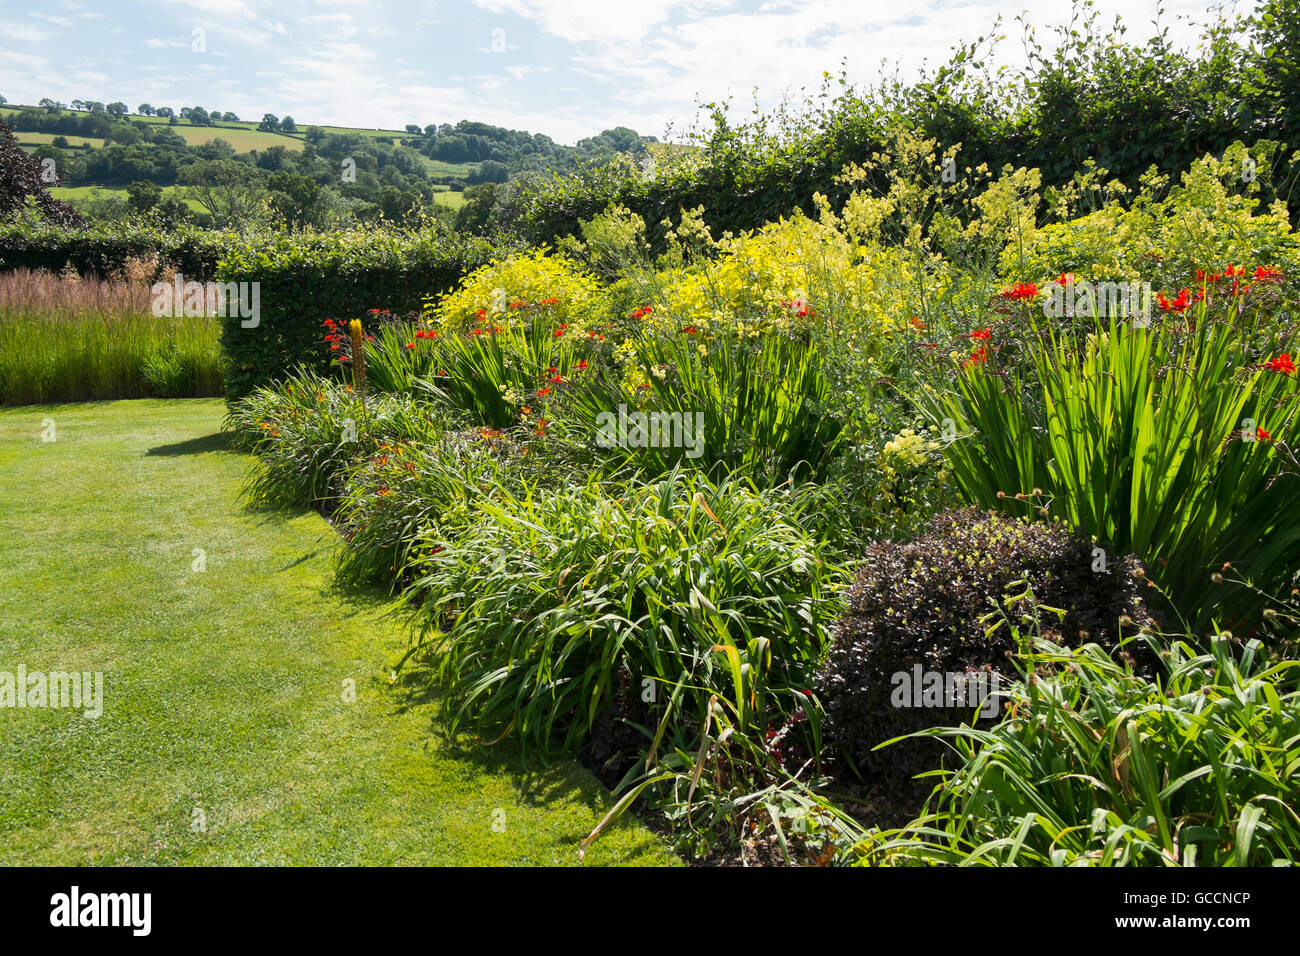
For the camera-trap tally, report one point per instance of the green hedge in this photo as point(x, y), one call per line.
point(104, 248)
point(304, 279)
point(1126, 106)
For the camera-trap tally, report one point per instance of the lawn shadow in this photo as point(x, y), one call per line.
point(538, 780)
point(217, 441)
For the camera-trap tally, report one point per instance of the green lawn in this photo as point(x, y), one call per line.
point(224, 688)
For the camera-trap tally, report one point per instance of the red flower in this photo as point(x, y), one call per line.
point(1263, 435)
point(981, 334)
point(978, 357)
point(544, 391)
point(1177, 305)
point(1263, 273)
point(1281, 364)
point(561, 330)
point(582, 365)
point(1021, 290)
point(916, 322)
point(410, 345)
point(690, 330)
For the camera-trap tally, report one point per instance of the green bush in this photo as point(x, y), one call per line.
point(306, 278)
point(1095, 766)
point(545, 610)
point(922, 605)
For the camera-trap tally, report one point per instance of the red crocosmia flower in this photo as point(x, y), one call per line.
point(1263, 435)
point(644, 385)
point(410, 345)
point(345, 358)
point(476, 331)
point(1021, 290)
point(371, 338)
point(1281, 364)
point(690, 330)
point(481, 314)
point(374, 311)
point(916, 322)
point(544, 391)
point(1176, 305)
point(561, 330)
point(1065, 279)
point(552, 370)
point(981, 334)
point(582, 365)
point(557, 379)
point(978, 357)
point(1264, 273)
point(334, 348)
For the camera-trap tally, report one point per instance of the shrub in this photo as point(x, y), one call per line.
point(305, 278)
point(922, 604)
point(1096, 766)
point(498, 289)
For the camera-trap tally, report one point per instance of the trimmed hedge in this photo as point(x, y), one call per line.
point(304, 279)
point(105, 248)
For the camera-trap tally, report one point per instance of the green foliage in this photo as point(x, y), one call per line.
point(1148, 439)
point(104, 249)
point(1094, 766)
point(98, 357)
point(549, 606)
point(306, 278)
point(307, 434)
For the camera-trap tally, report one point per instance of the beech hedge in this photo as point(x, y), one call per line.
point(304, 279)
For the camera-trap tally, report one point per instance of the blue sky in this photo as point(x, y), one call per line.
point(568, 68)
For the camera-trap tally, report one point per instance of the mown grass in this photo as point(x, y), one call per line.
point(224, 687)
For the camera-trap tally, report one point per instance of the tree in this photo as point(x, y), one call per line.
point(229, 118)
point(199, 117)
point(229, 191)
point(144, 109)
point(23, 181)
point(413, 129)
point(49, 105)
point(3, 100)
point(270, 123)
point(116, 110)
point(474, 216)
point(287, 125)
point(143, 195)
point(295, 197)
point(315, 134)
point(186, 111)
point(78, 104)
point(165, 111)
